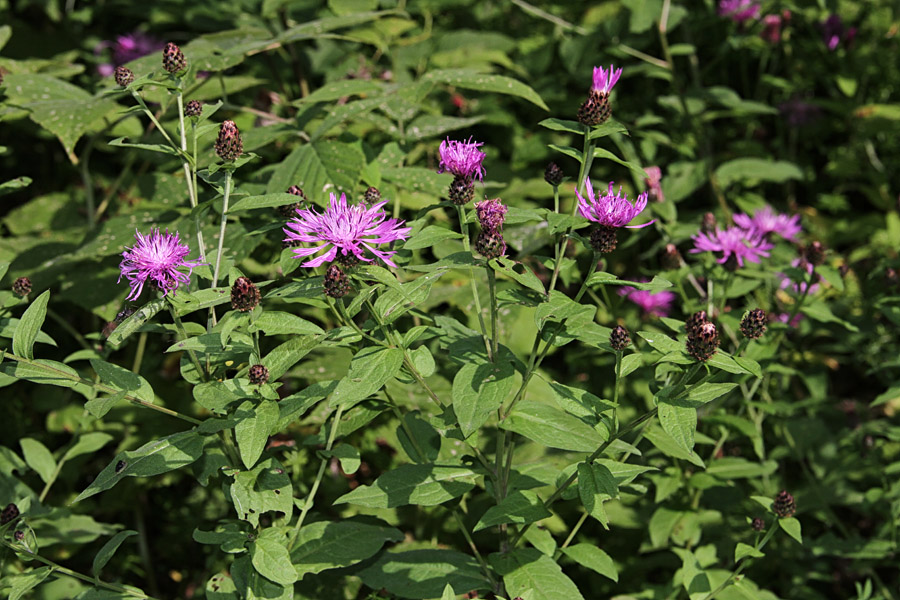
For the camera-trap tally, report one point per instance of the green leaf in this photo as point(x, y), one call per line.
point(656, 284)
point(791, 526)
point(108, 549)
point(662, 342)
point(265, 488)
point(755, 170)
point(20, 585)
point(520, 507)
point(743, 550)
point(422, 484)
point(425, 444)
point(39, 458)
point(479, 389)
point(288, 354)
point(517, 272)
point(347, 455)
point(534, 575)
point(264, 201)
point(271, 560)
point(636, 169)
point(331, 545)
point(592, 557)
point(122, 379)
point(256, 423)
point(448, 594)
point(87, 443)
point(29, 326)
point(563, 125)
point(707, 392)
point(156, 457)
point(679, 420)
point(473, 80)
point(394, 303)
point(43, 371)
point(631, 363)
point(160, 148)
point(596, 485)
point(251, 585)
point(819, 311)
point(429, 236)
point(135, 322)
point(185, 304)
point(552, 427)
point(370, 369)
point(8, 330)
point(230, 537)
point(98, 407)
point(423, 573)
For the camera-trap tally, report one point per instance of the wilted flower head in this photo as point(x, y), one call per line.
point(612, 209)
point(766, 221)
point(735, 244)
point(350, 229)
point(605, 80)
point(739, 10)
point(491, 214)
point(654, 304)
point(463, 159)
point(157, 258)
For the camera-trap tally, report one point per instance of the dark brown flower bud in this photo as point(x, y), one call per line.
point(619, 338)
point(694, 322)
point(244, 295)
point(784, 505)
point(123, 76)
point(9, 514)
point(708, 224)
point(553, 174)
point(258, 374)
point(19, 536)
point(603, 239)
point(490, 244)
point(815, 253)
point(753, 325)
point(21, 286)
point(758, 524)
point(289, 210)
point(173, 59)
point(462, 190)
point(193, 108)
point(372, 196)
point(595, 110)
point(703, 342)
point(229, 145)
point(336, 285)
point(348, 260)
point(671, 259)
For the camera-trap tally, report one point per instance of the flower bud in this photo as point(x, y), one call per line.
point(9, 514)
point(703, 342)
point(753, 325)
point(619, 339)
point(244, 295)
point(21, 286)
point(758, 524)
point(708, 224)
point(671, 259)
point(258, 374)
point(694, 322)
point(462, 190)
point(123, 76)
point(193, 108)
point(490, 244)
point(336, 283)
point(595, 110)
point(229, 145)
point(372, 196)
point(603, 239)
point(19, 536)
point(784, 505)
point(491, 214)
point(815, 253)
point(289, 210)
point(553, 174)
point(173, 59)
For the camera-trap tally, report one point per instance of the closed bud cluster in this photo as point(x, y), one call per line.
point(814, 253)
point(758, 524)
point(703, 341)
point(289, 210)
point(258, 374)
point(173, 59)
point(619, 338)
point(123, 76)
point(21, 286)
point(671, 259)
point(595, 110)
point(193, 108)
point(229, 145)
point(244, 295)
point(490, 244)
point(372, 195)
point(462, 190)
point(336, 283)
point(603, 239)
point(753, 325)
point(553, 174)
point(9, 514)
point(784, 505)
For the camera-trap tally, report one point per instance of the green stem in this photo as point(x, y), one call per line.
point(152, 118)
point(484, 566)
point(225, 197)
point(464, 229)
point(495, 329)
point(183, 334)
point(616, 390)
point(744, 562)
point(190, 171)
point(572, 533)
point(139, 353)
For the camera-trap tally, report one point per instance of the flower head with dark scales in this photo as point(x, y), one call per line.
point(735, 244)
point(156, 258)
point(344, 228)
point(462, 159)
point(766, 221)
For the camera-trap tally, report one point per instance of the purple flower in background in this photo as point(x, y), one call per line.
point(605, 80)
point(735, 244)
point(771, 29)
point(350, 229)
point(797, 112)
point(739, 10)
point(463, 159)
point(800, 287)
point(783, 318)
point(611, 210)
point(491, 214)
point(126, 48)
point(654, 304)
point(157, 258)
point(767, 221)
point(833, 32)
point(653, 180)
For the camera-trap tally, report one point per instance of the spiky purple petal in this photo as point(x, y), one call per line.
point(156, 258)
point(611, 210)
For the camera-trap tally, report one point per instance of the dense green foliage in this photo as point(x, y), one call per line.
point(456, 424)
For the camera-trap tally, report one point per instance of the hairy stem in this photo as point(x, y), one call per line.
point(464, 229)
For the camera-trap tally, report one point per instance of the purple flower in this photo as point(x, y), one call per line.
point(799, 288)
point(833, 32)
point(611, 210)
point(771, 29)
point(653, 180)
point(795, 322)
point(126, 48)
point(463, 159)
point(732, 242)
point(491, 214)
point(350, 229)
point(605, 80)
point(767, 221)
point(739, 10)
point(156, 257)
point(654, 304)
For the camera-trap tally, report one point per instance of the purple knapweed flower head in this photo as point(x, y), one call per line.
point(463, 159)
point(612, 209)
point(653, 181)
point(126, 48)
point(654, 304)
point(491, 214)
point(771, 29)
point(735, 244)
point(156, 258)
point(833, 32)
point(794, 323)
point(605, 80)
point(350, 229)
point(799, 288)
point(766, 221)
point(739, 11)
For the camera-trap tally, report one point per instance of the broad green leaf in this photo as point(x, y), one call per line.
point(39, 458)
point(185, 304)
point(518, 272)
point(156, 457)
point(534, 575)
point(667, 445)
point(631, 363)
point(592, 557)
point(271, 560)
point(743, 550)
point(370, 369)
point(20, 585)
point(563, 125)
point(123, 380)
point(520, 507)
point(265, 488)
point(43, 371)
point(423, 573)
point(791, 526)
point(819, 311)
point(347, 455)
point(256, 423)
point(656, 284)
point(331, 545)
point(231, 537)
point(755, 170)
point(272, 200)
point(221, 587)
point(395, 303)
point(448, 594)
point(88, 443)
point(251, 585)
point(552, 427)
point(422, 484)
point(473, 80)
point(679, 420)
point(29, 326)
point(425, 443)
point(108, 549)
point(636, 169)
point(596, 485)
point(288, 354)
point(101, 405)
point(8, 330)
point(733, 467)
point(479, 389)
point(429, 236)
